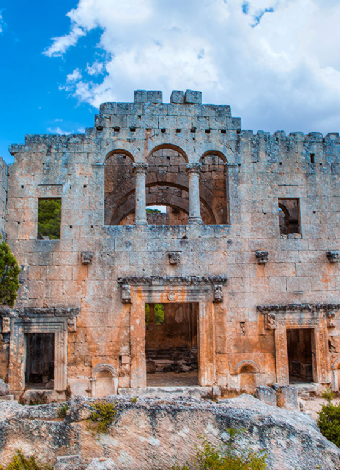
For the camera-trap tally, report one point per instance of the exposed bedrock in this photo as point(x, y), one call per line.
point(157, 433)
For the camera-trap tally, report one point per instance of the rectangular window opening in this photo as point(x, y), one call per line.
point(171, 344)
point(289, 216)
point(39, 371)
point(49, 218)
point(312, 157)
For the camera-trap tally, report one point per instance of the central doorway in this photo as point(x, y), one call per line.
point(39, 373)
point(300, 355)
point(171, 344)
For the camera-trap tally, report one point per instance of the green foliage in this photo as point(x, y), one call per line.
point(102, 417)
point(153, 211)
point(20, 462)
point(158, 312)
point(9, 275)
point(62, 411)
point(329, 419)
point(134, 399)
point(225, 457)
point(49, 217)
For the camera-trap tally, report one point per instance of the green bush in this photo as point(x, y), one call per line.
point(329, 420)
point(20, 462)
point(49, 217)
point(225, 457)
point(62, 411)
point(102, 416)
point(9, 275)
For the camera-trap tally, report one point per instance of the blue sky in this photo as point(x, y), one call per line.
point(276, 62)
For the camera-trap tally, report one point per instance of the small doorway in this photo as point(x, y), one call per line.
point(300, 355)
point(39, 373)
point(171, 344)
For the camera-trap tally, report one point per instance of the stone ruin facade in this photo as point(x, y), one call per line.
point(191, 252)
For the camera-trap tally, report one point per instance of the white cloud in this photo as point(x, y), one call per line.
point(58, 130)
point(74, 76)
point(2, 23)
point(275, 61)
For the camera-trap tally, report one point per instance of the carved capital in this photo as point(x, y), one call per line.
point(262, 257)
point(333, 256)
point(140, 168)
point(194, 168)
point(218, 293)
point(86, 257)
point(270, 321)
point(126, 294)
point(174, 257)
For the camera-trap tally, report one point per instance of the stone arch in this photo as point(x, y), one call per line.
point(176, 148)
point(214, 185)
point(104, 367)
point(119, 182)
point(249, 366)
point(104, 380)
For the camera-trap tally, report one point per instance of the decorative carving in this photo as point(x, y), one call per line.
point(41, 312)
point(297, 307)
point(282, 372)
point(171, 296)
point(218, 293)
point(174, 257)
point(86, 257)
point(126, 294)
point(262, 257)
point(243, 328)
point(194, 168)
point(72, 324)
point(270, 321)
point(6, 325)
point(330, 316)
point(172, 280)
point(333, 256)
point(140, 167)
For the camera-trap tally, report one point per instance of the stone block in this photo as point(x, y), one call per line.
point(4, 388)
point(140, 96)
point(287, 397)
point(266, 394)
point(154, 97)
point(193, 97)
point(177, 97)
point(102, 464)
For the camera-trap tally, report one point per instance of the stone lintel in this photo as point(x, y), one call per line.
point(297, 307)
point(44, 311)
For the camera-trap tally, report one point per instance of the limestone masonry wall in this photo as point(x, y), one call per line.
point(90, 287)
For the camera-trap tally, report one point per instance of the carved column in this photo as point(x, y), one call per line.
point(194, 170)
point(137, 343)
point(140, 212)
point(206, 342)
point(281, 355)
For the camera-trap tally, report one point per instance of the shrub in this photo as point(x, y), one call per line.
point(20, 462)
point(225, 457)
point(9, 275)
point(329, 419)
point(102, 416)
point(62, 411)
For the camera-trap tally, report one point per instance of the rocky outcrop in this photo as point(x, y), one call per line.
point(157, 433)
point(4, 388)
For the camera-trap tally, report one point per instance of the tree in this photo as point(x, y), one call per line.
point(49, 216)
point(9, 275)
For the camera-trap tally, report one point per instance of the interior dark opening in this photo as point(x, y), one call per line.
point(299, 343)
point(39, 360)
point(171, 344)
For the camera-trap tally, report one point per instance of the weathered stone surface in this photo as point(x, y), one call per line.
point(266, 394)
point(287, 397)
point(102, 464)
point(149, 433)
point(70, 462)
point(4, 388)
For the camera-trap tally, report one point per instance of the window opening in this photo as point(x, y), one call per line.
point(39, 360)
point(49, 218)
point(299, 343)
point(312, 157)
point(171, 344)
point(214, 191)
point(289, 216)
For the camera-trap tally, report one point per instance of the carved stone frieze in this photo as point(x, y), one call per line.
point(333, 256)
point(86, 257)
point(174, 257)
point(261, 257)
point(6, 325)
point(43, 311)
point(297, 307)
point(330, 316)
point(172, 280)
point(270, 321)
point(72, 324)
